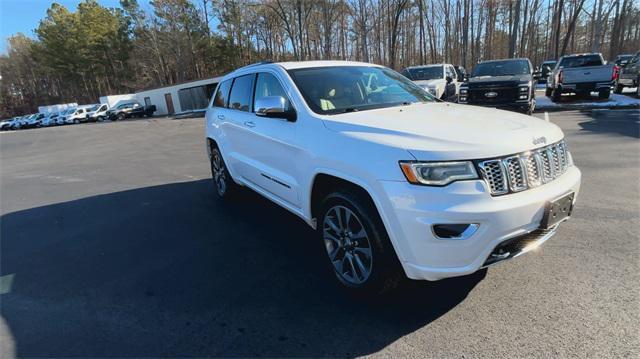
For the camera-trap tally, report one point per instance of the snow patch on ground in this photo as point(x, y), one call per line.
point(627, 98)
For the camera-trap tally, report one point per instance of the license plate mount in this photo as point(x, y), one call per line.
point(557, 211)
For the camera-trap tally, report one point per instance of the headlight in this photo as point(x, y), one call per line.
point(438, 173)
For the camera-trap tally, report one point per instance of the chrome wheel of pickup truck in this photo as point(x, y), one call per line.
point(347, 245)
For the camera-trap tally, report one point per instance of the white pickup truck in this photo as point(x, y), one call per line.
point(580, 74)
point(395, 182)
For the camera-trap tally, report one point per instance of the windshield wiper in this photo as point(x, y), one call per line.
point(350, 109)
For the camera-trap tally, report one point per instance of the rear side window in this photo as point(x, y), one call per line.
point(222, 95)
point(241, 93)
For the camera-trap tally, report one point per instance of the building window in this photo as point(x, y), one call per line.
point(195, 98)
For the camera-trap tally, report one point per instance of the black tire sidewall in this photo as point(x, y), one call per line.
point(231, 185)
point(385, 270)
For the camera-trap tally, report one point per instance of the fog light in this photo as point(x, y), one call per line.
point(463, 99)
point(523, 97)
point(454, 230)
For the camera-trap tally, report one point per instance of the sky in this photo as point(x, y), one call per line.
point(25, 15)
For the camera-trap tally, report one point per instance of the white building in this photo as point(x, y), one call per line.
point(180, 98)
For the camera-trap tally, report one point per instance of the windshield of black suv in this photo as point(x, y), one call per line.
point(502, 68)
point(424, 73)
point(581, 61)
point(340, 89)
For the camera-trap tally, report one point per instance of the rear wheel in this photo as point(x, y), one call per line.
point(358, 248)
point(604, 94)
point(617, 88)
point(547, 92)
point(555, 95)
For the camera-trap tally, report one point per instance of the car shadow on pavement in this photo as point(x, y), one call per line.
point(622, 122)
point(171, 271)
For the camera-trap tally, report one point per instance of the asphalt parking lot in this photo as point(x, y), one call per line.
point(114, 245)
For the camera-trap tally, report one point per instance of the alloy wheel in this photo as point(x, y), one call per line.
point(347, 245)
point(219, 173)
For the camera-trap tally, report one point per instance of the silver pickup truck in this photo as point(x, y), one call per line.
point(580, 74)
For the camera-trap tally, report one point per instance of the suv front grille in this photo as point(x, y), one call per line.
point(525, 170)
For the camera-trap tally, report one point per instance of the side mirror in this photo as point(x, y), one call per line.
point(537, 75)
point(465, 77)
point(449, 79)
point(274, 107)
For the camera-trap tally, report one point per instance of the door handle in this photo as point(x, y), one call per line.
point(220, 117)
point(249, 124)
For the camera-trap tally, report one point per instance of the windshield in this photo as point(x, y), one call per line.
point(581, 61)
point(424, 73)
point(69, 111)
point(93, 108)
point(502, 68)
point(331, 90)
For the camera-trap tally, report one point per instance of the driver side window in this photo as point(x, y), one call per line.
point(268, 85)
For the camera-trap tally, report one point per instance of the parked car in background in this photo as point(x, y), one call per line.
point(507, 84)
point(61, 120)
point(394, 182)
point(128, 110)
point(33, 120)
point(50, 120)
point(622, 60)
point(629, 75)
point(580, 74)
point(461, 72)
point(440, 80)
point(6, 124)
point(75, 115)
point(545, 68)
point(97, 113)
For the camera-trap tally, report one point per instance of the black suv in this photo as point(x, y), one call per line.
point(507, 84)
point(130, 109)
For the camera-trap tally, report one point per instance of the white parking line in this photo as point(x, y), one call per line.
point(546, 116)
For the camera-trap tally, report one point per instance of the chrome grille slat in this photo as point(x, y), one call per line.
point(494, 174)
point(526, 170)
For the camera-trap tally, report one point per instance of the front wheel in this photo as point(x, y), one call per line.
point(358, 248)
point(556, 95)
point(224, 185)
point(547, 92)
point(121, 117)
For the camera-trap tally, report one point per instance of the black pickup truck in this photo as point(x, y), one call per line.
point(507, 84)
point(130, 109)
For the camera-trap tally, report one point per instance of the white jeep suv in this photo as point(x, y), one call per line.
point(394, 181)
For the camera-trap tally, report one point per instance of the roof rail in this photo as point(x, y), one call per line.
point(255, 64)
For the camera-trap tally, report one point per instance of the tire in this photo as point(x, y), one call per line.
point(358, 248)
point(223, 183)
point(556, 95)
point(604, 94)
point(617, 88)
point(76, 121)
point(547, 92)
point(121, 117)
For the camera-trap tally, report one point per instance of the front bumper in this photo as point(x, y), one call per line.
point(520, 105)
point(410, 211)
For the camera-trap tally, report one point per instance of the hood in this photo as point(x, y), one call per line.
point(435, 82)
point(500, 80)
point(446, 131)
